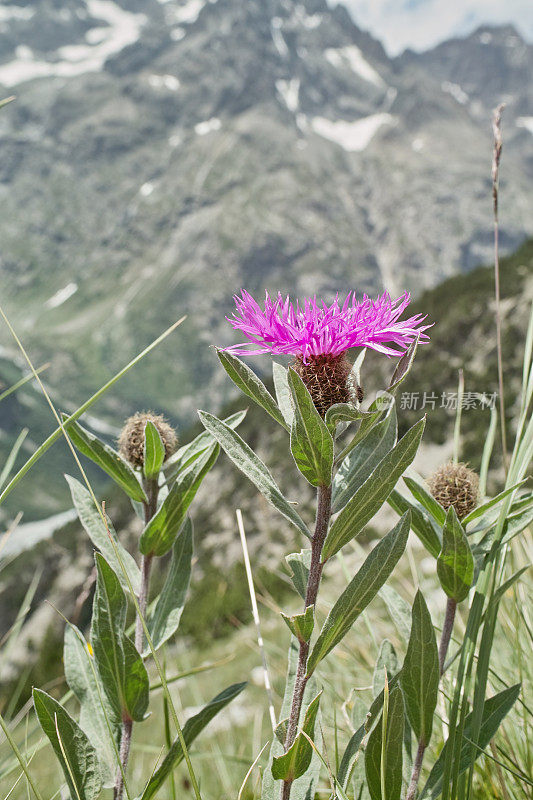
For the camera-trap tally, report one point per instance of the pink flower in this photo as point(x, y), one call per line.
point(317, 329)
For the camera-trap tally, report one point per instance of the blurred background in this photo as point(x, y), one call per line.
point(161, 155)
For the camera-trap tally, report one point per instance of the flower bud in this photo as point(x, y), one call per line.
point(131, 439)
point(455, 485)
point(328, 380)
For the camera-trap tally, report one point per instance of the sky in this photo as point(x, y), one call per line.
point(421, 24)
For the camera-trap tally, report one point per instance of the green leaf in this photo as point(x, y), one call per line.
point(164, 621)
point(389, 771)
point(161, 531)
point(494, 711)
point(82, 677)
point(120, 666)
point(301, 625)
point(360, 591)
point(482, 509)
point(342, 412)
point(383, 404)
point(188, 453)
point(311, 441)
point(373, 493)
point(283, 393)
point(299, 564)
point(421, 522)
point(107, 459)
point(455, 564)
point(154, 451)
point(252, 466)
point(427, 500)
point(248, 382)
point(362, 460)
point(403, 367)
point(192, 728)
point(399, 610)
point(101, 536)
point(73, 749)
point(387, 660)
point(296, 761)
point(420, 673)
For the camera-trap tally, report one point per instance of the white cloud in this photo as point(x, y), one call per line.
point(421, 24)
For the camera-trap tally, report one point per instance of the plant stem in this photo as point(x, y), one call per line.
point(151, 490)
point(447, 628)
point(497, 152)
point(415, 774)
point(323, 514)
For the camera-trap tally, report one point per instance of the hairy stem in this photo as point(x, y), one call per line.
point(323, 514)
point(447, 628)
point(151, 490)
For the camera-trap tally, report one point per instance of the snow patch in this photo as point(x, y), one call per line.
point(15, 12)
point(289, 91)
point(123, 30)
point(353, 58)
point(62, 295)
point(177, 34)
point(174, 140)
point(525, 122)
point(308, 21)
point(352, 136)
point(485, 38)
point(169, 82)
point(207, 126)
point(456, 92)
point(277, 37)
point(146, 189)
point(189, 12)
point(417, 145)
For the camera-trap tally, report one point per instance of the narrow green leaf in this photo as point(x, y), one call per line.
point(482, 509)
point(386, 660)
point(107, 459)
point(362, 460)
point(192, 728)
point(248, 382)
point(427, 500)
point(455, 564)
point(154, 451)
point(73, 749)
point(120, 666)
point(360, 591)
point(160, 533)
point(189, 452)
point(299, 564)
point(301, 625)
point(420, 673)
point(296, 761)
point(254, 469)
point(373, 493)
point(399, 610)
point(383, 404)
point(403, 367)
point(391, 748)
point(494, 711)
point(82, 677)
point(421, 523)
point(342, 412)
point(311, 441)
point(100, 536)
point(164, 621)
point(283, 393)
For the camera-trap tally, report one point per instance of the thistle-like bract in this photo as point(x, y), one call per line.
point(131, 439)
point(455, 485)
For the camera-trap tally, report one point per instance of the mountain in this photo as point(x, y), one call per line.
point(160, 156)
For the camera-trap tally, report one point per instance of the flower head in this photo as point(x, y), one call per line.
point(131, 439)
point(455, 485)
point(316, 329)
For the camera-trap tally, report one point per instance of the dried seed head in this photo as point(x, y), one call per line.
point(455, 485)
point(328, 380)
point(131, 439)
